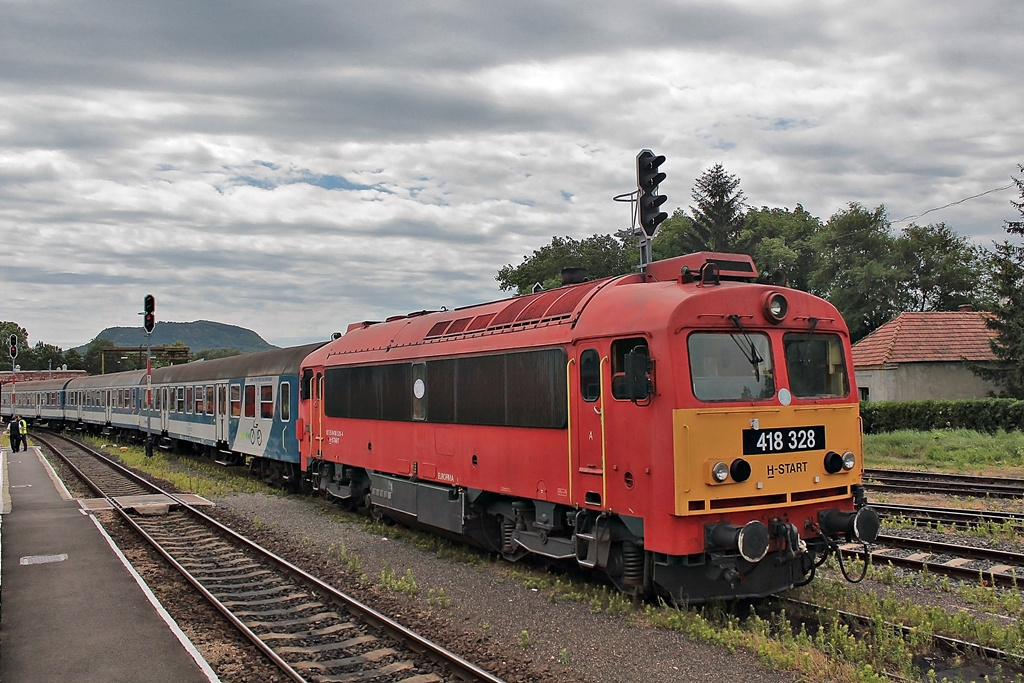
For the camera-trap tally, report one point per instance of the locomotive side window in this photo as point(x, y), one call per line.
point(590, 375)
point(419, 391)
point(730, 366)
point(620, 348)
point(305, 390)
point(525, 389)
point(816, 365)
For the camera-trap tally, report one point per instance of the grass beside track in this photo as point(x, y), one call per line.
point(951, 450)
point(826, 650)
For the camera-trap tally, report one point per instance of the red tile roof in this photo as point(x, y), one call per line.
point(928, 336)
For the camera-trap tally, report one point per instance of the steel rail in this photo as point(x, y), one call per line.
point(460, 667)
point(946, 641)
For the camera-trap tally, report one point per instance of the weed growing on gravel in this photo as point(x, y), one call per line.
point(923, 620)
point(438, 598)
point(524, 639)
point(563, 656)
point(186, 473)
point(347, 558)
point(405, 584)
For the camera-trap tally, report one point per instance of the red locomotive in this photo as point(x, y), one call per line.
point(690, 430)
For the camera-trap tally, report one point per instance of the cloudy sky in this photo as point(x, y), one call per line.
point(294, 167)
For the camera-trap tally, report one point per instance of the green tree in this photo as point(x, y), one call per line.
point(73, 359)
point(1007, 319)
point(42, 357)
point(942, 267)
point(7, 328)
point(600, 255)
point(719, 214)
point(856, 268)
point(675, 237)
point(780, 238)
point(93, 361)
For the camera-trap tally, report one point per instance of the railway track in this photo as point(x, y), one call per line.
point(915, 481)
point(941, 642)
point(310, 631)
point(956, 518)
point(997, 567)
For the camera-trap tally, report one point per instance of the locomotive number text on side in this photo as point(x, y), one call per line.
point(783, 440)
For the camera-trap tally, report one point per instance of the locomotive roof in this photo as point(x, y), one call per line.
point(262, 363)
point(614, 305)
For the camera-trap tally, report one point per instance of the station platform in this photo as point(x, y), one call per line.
point(71, 607)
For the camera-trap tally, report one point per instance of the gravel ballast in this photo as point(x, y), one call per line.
point(485, 615)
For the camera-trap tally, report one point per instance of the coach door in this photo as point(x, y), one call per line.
point(221, 413)
point(165, 407)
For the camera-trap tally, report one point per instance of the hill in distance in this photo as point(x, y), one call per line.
point(200, 335)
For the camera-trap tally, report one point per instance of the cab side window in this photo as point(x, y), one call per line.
point(590, 375)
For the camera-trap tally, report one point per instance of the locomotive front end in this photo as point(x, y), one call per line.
point(767, 449)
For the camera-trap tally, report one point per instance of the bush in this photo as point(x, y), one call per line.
point(988, 415)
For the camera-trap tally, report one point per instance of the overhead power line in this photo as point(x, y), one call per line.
point(959, 201)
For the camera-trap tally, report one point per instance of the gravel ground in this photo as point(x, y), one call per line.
point(485, 612)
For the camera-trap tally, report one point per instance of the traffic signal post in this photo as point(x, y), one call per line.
point(149, 322)
point(649, 213)
point(13, 350)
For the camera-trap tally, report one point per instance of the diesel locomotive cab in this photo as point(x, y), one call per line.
point(790, 485)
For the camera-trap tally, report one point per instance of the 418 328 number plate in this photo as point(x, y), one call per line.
point(783, 440)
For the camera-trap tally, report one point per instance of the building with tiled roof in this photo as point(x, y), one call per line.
point(920, 355)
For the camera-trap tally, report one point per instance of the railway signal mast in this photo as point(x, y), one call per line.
point(149, 322)
point(649, 202)
point(13, 350)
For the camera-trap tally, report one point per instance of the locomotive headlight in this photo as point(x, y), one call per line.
point(849, 460)
point(720, 472)
point(740, 469)
point(833, 462)
point(775, 307)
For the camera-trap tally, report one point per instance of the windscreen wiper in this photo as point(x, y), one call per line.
point(752, 356)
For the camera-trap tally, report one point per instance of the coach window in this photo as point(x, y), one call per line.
point(249, 405)
point(286, 401)
point(209, 399)
point(590, 375)
point(267, 401)
point(816, 366)
point(181, 399)
point(189, 397)
point(199, 401)
point(732, 366)
point(236, 400)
